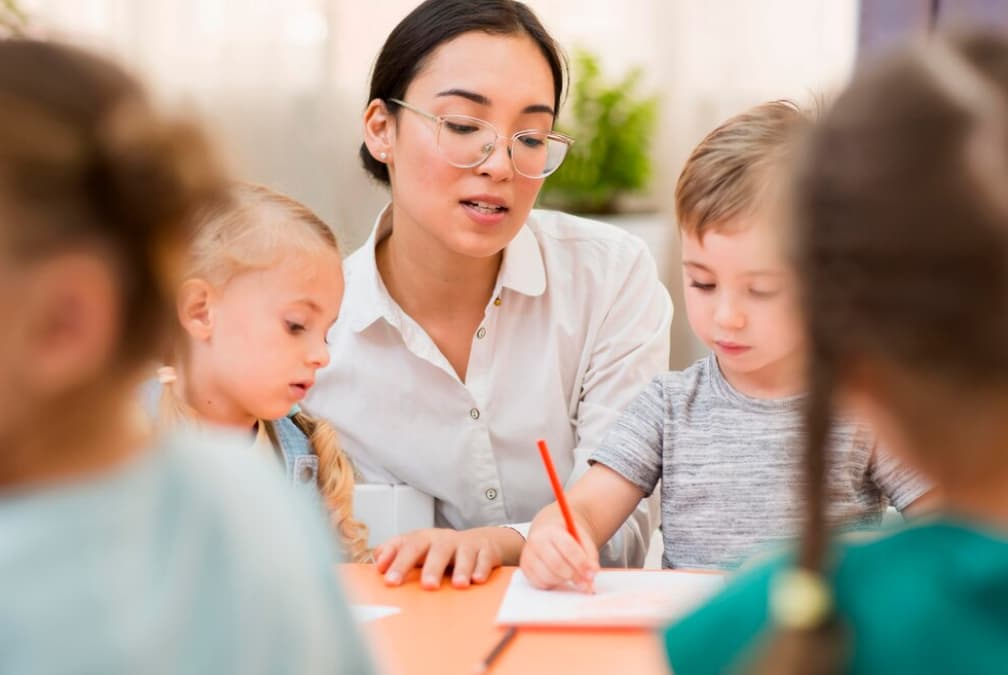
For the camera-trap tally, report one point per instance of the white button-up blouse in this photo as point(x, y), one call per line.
point(577, 325)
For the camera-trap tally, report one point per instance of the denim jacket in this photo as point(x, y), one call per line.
point(299, 459)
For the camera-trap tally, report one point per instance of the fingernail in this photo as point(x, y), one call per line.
point(429, 580)
point(393, 577)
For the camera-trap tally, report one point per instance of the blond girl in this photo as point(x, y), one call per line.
point(263, 284)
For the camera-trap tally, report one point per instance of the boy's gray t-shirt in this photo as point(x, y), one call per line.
point(731, 467)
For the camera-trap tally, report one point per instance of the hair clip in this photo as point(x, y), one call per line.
point(166, 375)
point(799, 599)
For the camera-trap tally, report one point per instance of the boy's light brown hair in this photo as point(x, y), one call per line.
point(727, 174)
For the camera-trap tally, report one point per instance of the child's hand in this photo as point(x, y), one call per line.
point(553, 558)
point(473, 554)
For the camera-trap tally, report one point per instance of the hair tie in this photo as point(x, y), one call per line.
point(799, 599)
point(296, 410)
point(166, 375)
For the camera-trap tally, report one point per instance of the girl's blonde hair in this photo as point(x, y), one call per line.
point(254, 229)
point(335, 482)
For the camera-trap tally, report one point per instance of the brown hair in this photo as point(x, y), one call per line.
point(727, 171)
point(432, 24)
point(86, 161)
point(245, 233)
point(901, 236)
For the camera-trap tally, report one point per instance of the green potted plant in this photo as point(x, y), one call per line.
point(13, 20)
point(614, 126)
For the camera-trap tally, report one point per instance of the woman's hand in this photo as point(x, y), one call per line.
point(472, 554)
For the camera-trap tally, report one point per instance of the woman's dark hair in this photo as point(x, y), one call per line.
point(86, 162)
point(435, 22)
point(901, 239)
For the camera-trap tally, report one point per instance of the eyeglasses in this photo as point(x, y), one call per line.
point(469, 141)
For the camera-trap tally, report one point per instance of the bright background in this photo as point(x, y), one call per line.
point(283, 82)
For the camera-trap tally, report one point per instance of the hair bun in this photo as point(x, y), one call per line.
point(151, 176)
point(86, 158)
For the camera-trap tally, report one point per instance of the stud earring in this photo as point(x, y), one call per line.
point(383, 156)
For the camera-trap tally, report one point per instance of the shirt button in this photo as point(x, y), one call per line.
point(481, 333)
point(474, 413)
point(307, 475)
point(497, 301)
point(490, 494)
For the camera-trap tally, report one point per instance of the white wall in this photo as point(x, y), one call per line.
point(720, 56)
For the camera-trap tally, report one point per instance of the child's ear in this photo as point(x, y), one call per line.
point(195, 308)
point(73, 322)
point(379, 129)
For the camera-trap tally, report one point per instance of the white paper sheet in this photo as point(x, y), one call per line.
point(365, 613)
point(621, 598)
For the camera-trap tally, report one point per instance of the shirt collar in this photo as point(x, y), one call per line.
point(370, 300)
point(522, 270)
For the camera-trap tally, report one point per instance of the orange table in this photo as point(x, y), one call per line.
point(451, 631)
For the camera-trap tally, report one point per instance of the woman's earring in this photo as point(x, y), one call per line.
point(383, 156)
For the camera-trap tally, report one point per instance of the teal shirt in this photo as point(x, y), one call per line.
point(930, 599)
point(194, 557)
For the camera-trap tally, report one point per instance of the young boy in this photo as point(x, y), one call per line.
point(723, 436)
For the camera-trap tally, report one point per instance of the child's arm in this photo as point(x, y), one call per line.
point(926, 504)
point(630, 348)
point(907, 489)
point(600, 502)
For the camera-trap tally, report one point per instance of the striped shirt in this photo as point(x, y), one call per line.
point(731, 467)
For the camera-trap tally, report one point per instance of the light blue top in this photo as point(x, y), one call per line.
point(295, 450)
point(192, 558)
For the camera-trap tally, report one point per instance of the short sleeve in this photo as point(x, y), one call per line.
point(634, 444)
point(899, 483)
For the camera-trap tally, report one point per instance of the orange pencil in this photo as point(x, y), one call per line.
point(558, 490)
